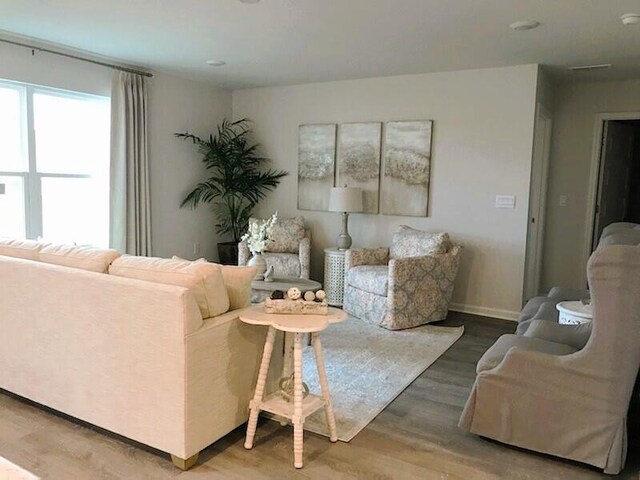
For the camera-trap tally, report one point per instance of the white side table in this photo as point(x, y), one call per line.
point(300, 408)
point(334, 275)
point(574, 313)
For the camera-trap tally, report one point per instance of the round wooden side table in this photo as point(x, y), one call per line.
point(298, 410)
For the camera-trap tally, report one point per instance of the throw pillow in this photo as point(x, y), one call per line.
point(85, 258)
point(237, 281)
point(204, 279)
point(409, 242)
point(286, 235)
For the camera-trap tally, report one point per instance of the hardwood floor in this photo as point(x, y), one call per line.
point(415, 437)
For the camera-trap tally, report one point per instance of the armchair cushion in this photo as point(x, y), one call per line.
point(286, 235)
point(575, 336)
point(370, 278)
point(409, 242)
point(498, 350)
point(284, 264)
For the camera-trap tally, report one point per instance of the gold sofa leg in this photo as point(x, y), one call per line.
point(183, 464)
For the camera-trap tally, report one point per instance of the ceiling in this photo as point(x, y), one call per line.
point(280, 42)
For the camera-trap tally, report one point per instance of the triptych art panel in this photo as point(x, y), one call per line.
point(391, 165)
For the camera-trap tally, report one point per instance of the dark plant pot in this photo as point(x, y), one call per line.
point(228, 253)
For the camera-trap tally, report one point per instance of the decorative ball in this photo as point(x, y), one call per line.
point(294, 293)
point(277, 295)
point(321, 295)
point(309, 296)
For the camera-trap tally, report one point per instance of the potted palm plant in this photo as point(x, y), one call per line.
point(236, 182)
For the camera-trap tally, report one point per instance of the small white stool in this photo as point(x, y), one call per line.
point(301, 408)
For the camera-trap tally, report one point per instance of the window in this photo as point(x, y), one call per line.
point(54, 165)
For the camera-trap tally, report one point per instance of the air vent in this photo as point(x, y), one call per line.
point(583, 68)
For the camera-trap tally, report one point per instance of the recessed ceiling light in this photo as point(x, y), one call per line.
point(524, 25)
point(630, 18)
point(215, 63)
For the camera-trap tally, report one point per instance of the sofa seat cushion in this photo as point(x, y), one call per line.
point(370, 278)
point(409, 242)
point(204, 279)
point(498, 350)
point(284, 264)
point(84, 258)
point(25, 249)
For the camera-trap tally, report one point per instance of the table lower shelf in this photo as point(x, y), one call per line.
point(278, 405)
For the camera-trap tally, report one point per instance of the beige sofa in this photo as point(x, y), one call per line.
point(130, 356)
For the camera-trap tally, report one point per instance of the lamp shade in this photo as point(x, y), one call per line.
point(345, 199)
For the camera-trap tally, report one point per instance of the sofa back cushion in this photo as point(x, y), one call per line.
point(286, 235)
point(26, 249)
point(409, 242)
point(203, 279)
point(85, 258)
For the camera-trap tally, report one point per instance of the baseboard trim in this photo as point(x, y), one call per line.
point(485, 311)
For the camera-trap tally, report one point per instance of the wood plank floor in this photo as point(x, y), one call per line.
point(416, 437)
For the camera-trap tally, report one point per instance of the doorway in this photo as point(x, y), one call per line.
point(537, 201)
point(617, 194)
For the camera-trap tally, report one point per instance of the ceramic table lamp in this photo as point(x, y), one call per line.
point(345, 199)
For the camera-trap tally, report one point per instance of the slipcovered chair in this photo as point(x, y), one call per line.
point(289, 251)
point(404, 286)
point(565, 390)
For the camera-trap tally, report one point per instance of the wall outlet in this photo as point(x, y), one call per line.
point(505, 201)
point(196, 249)
point(562, 200)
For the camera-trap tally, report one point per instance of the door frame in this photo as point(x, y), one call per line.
point(594, 178)
point(537, 253)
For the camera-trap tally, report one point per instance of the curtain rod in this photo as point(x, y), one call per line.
point(68, 55)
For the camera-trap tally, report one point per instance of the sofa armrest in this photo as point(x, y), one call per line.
point(243, 253)
point(304, 255)
point(576, 336)
point(366, 256)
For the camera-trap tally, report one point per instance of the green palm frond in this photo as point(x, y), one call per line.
point(237, 180)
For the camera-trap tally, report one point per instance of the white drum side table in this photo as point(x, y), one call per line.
point(574, 313)
point(300, 408)
point(334, 275)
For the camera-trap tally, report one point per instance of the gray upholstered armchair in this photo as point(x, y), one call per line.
point(404, 286)
point(558, 391)
point(289, 251)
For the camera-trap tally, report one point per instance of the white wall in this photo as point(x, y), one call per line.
point(576, 105)
point(482, 142)
point(176, 105)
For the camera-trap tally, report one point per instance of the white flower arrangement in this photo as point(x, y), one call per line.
point(259, 234)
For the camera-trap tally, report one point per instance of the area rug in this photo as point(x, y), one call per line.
point(368, 366)
point(9, 471)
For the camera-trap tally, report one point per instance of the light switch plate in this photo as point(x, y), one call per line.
point(563, 200)
point(505, 201)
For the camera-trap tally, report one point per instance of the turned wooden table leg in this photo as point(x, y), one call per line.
point(254, 405)
point(298, 432)
point(324, 385)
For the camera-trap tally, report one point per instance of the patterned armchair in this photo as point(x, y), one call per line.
point(289, 250)
point(404, 286)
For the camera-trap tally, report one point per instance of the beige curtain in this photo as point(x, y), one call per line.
point(130, 214)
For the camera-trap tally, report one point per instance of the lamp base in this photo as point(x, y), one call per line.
point(344, 239)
